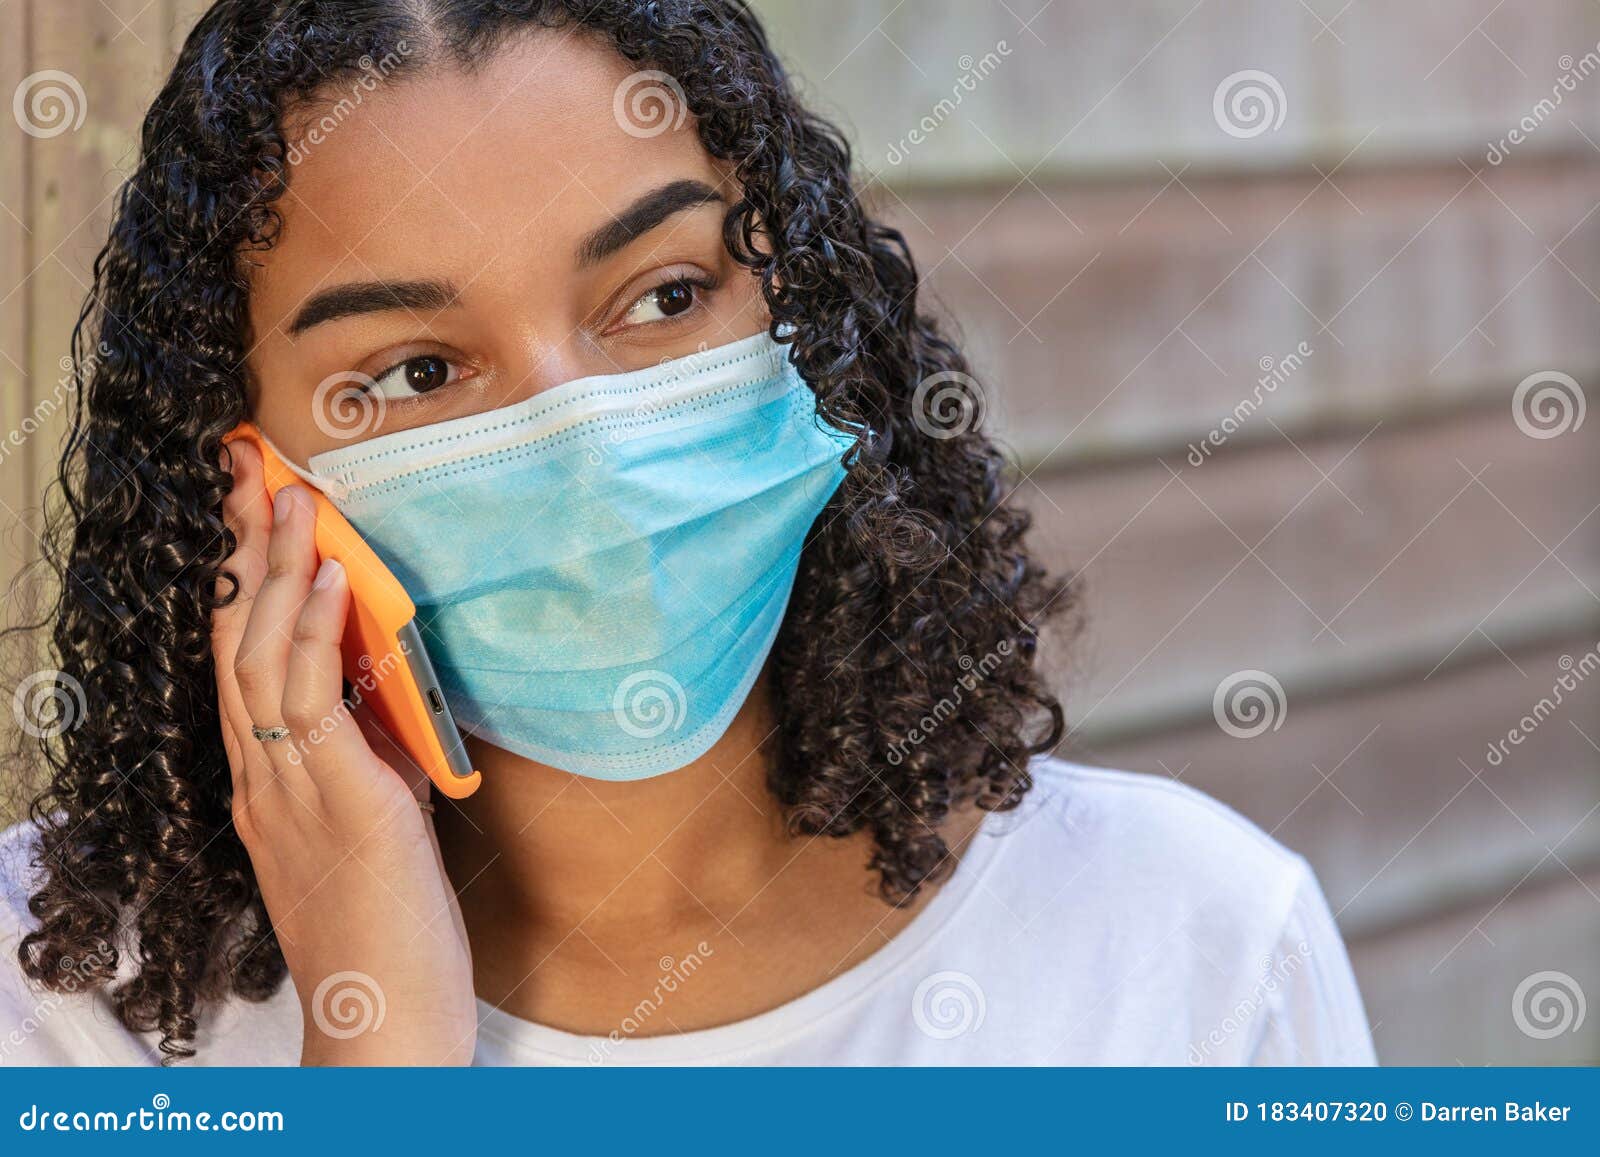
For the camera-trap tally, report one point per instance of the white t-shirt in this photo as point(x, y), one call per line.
point(1113, 919)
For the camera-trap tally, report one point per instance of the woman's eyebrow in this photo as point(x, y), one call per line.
point(642, 216)
point(371, 297)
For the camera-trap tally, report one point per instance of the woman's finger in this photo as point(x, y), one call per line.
point(262, 658)
point(338, 756)
point(324, 732)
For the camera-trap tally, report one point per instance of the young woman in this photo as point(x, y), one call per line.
point(571, 308)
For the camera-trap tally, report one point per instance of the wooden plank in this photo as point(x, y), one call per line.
point(1391, 794)
point(1091, 87)
point(1122, 319)
point(1396, 560)
point(115, 53)
point(15, 243)
point(1443, 992)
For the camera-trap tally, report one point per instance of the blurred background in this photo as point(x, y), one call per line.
point(1287, 310)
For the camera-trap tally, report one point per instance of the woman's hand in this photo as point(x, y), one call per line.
point(346, 857)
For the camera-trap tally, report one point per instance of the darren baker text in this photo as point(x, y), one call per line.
point(1428, 1111)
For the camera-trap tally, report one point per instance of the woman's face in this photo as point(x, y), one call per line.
point(456, 242)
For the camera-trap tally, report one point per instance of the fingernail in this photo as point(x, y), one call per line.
point(280, 505)
point(327, 573)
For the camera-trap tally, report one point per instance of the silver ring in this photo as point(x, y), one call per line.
point(269, 734)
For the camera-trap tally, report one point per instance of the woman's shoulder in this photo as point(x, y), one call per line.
point(1157, 908)
point(1154, 833)
point(38, 1025)
point(18, 880)
point(74, 1023)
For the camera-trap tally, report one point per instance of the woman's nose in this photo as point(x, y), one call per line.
point(544, 361)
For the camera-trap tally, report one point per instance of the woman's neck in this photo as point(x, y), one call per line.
point(575, 890)
point(563, 850)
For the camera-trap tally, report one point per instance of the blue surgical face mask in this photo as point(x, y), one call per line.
point(600, 570)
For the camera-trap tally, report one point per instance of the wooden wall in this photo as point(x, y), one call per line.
point(1380, 536)
point(56, 194)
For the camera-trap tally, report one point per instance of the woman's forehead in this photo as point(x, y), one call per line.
point(527, 148)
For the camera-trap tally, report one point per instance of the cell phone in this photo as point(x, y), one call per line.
point(384, 656)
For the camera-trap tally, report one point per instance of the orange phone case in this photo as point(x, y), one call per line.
point(379, 610)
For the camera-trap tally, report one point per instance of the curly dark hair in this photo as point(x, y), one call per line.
point(915, 591)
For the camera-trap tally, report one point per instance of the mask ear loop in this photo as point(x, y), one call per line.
point(332, 487)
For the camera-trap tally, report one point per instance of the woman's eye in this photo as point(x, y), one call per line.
point(661, 303)
point(419, 375)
